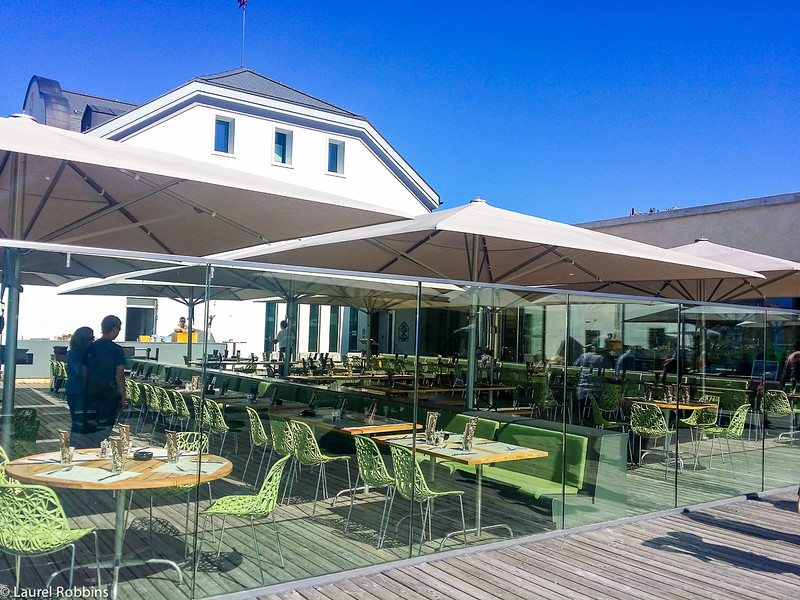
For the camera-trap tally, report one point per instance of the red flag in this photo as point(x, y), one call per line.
point(242, 3)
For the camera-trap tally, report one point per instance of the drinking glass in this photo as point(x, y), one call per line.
point(117, 454)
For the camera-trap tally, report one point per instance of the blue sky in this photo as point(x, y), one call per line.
point(570, 111)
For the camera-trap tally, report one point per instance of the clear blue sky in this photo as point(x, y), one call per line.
point(571, 111)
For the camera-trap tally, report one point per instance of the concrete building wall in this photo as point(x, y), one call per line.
point(766, 225)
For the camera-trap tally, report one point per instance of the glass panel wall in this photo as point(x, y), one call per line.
point(446, 414)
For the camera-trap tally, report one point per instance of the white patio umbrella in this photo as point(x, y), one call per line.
point(781, 277)
point(61, 186)
point(257, 281)
point(480, 243)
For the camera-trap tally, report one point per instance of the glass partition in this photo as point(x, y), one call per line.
point(378, 419)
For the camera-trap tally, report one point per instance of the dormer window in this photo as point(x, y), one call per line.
point(223, 135)
point(282, 153)
point(335, 157)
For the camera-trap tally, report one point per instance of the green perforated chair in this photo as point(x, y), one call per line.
point(253, 507)
point(776, 404)
point(33, 523)
point(648, 422)
point(134, 399)
point(733, 431)
point(700, 420)
point(283, 445)
point(372, 472)
point(152, 402)
point(258, 438)
point(188, 441)
point(606, 407)
point(24, 431)
point(411, 484)
point(544, 400)
point(307, 452)
point(216, 423)
point(182, 412)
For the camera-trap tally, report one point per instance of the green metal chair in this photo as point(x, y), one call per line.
point(152, 402)
point(134, 398)
point(254, 507)
point(182, 412)
point(188, 441)
point(307, 452)
point(544, 400)
point(258, 438)
point(24, 431)
point(411, 484)
point(283, 445)
point(776, 404)
point(648, 422)
point(733, 431)
point(609, 402)
point(372, 472)
point(700, 420)
point(216, 423)
point(166, 409)
point(33, 523)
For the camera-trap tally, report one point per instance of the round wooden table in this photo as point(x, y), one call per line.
point(44, 469)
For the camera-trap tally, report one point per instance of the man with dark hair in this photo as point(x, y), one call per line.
point(104, 363)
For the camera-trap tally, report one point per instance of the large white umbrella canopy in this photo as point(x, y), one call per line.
point(781, 277)
point(83, 190)
point(480, 243)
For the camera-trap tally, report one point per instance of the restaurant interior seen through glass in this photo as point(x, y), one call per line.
point(471, 413)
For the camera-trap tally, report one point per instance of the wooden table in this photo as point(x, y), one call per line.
point(355, 423)
point(664, 405)
point(348, 377)
point(484, 452)
point(90, 472)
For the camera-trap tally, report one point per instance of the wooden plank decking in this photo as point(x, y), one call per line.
point(743, 549)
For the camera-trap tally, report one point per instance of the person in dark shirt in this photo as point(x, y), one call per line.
point(75, 387)
point(104, 364)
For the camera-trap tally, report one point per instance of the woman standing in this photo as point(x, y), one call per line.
point(76, 386)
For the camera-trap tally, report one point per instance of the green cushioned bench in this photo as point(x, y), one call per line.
point(541, 476)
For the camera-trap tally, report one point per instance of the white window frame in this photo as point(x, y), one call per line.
point(231, 129)
point(339, 157)
point(289, 146)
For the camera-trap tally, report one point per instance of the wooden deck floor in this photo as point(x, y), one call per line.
point(745, 549)
point(320, 546)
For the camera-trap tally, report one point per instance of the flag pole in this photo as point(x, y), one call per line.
point(244, 8)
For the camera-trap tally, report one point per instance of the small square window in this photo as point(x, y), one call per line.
point(282, 153)
point(223, 135)
point(335, 157)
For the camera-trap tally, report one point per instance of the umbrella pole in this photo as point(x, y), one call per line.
point(190, 326)
point(10, 358)
point(471, 348)
point(291, 309)
point(11, 277)
point(368, 335)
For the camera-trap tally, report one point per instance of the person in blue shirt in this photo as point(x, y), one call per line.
point(75, 387)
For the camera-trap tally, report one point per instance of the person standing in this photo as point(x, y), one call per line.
point(75, 388)
point(181, 328)
point(104, 365)
point(281, 338)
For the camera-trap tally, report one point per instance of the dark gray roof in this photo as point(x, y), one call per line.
point(254, 83)
point(78, 103)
